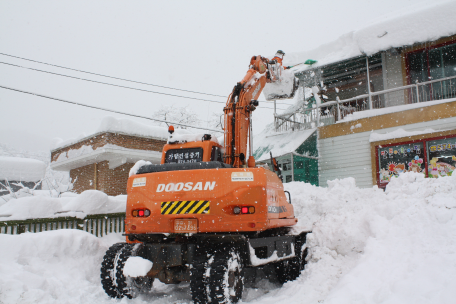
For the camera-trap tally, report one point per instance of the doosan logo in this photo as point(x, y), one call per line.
point(185, 187)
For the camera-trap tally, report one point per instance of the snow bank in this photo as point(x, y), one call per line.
point(21, 169)
point(41, 206)
point(60, 266)
point(125, 126)
point(423, 23)
point(370, 246)
point(367, 246)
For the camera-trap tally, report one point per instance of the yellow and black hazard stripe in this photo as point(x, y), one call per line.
point(186, 207)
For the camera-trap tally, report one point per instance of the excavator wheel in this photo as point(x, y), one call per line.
point(226, 279)
point(114, 283)
point(199, 285)
point(289, 270)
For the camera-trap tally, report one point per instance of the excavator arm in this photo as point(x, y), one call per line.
point(239, 107)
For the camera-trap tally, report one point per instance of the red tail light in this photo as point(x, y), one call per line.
point(140, 213)
point(244, 210)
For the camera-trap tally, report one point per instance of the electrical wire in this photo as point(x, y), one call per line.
point(108, 110)
point(115, 85)
point(118, 78)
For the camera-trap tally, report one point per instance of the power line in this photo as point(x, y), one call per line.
point(123, 79)
point(118, 78)
point(115, 85)
point(109, 110)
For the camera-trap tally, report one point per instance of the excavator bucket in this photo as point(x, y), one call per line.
point(283, 88)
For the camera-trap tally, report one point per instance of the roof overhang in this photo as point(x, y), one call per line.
point(116, 156)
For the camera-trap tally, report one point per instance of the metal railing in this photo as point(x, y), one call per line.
point(328, 113)
point(96, 224)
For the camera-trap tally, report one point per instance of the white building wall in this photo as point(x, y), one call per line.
point(350, 155)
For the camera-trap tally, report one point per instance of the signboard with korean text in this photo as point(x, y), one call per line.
point(182, 156)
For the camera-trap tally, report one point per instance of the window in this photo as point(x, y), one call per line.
point(288, 178)
point(181, 156)
point(393, 160)
point(431, 64)
point(441, 157)
point(216, 154)
point(433, 156)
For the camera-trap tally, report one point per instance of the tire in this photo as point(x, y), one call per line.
point(290, 269)
point(199, 284)
point(226, 281)
point(114, 283)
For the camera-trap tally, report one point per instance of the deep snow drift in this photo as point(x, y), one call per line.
point(367, 246)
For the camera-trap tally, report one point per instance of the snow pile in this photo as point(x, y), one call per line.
point(95, 202)
point(137, 165)
point(60, 266)
point(124, 126)
point(137, 267)
point(73, 153)
point(367, 246)
point(42, 206)
point(21, 169)
point(424, 23)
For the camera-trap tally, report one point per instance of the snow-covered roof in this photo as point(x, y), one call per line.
point(420, 24)
point(21, 169)
point(116, 156)
point(278, 143)
point(124, 126)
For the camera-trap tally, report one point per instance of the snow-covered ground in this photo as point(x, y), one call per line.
point(367, 246)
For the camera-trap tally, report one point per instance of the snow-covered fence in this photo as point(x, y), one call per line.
point(328, 113)
point(96, 224)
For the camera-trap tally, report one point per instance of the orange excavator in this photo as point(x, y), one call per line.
point(207, 213)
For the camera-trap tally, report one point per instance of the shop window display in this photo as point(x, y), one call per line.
point(441, 157)
point(393, 160)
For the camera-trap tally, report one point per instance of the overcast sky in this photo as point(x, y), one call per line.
point(202, 46)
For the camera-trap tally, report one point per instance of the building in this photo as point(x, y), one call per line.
point(382, 99)
point(102, 160)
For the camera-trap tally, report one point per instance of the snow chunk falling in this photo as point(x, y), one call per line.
point(137, 267)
